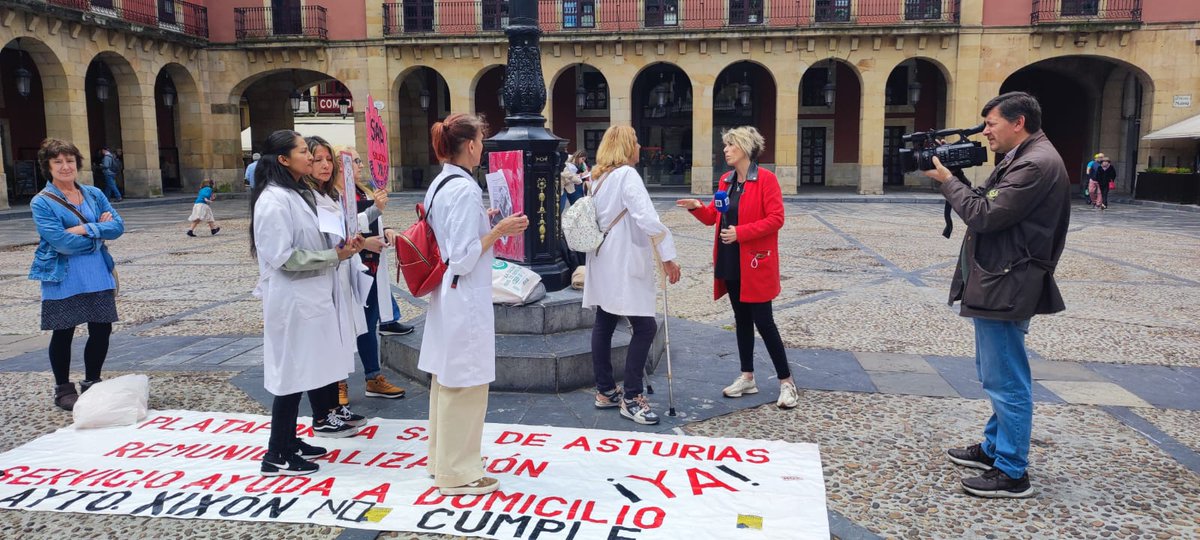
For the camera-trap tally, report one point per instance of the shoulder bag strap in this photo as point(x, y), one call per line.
point(65, 204)
point(439, 188)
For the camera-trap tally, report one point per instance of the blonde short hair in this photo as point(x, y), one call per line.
point(747, 138)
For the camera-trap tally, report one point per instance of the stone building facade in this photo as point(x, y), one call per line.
point(830, 82)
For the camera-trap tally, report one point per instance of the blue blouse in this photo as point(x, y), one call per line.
point(86, 272)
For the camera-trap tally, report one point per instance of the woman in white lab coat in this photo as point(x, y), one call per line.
point(621, 278)
point(330, 417)
point(297, 284)
point(459, 344)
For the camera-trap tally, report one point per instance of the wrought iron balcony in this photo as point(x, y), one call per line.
point(1085, 11)
point(459, 17)
point(264, 23)
point(170, 15)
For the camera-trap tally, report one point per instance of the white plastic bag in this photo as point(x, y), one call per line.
point(116, 402)
point(513, 283)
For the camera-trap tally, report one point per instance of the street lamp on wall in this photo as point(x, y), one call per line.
point(168, 95)
point(580, 97)
point(294, 101)
point(830, 92)
point(102, 89)
point(500, 94)
point(914, 92)
point(343, 107)
point(744, 91)
point(24, 77)
point(424, 99)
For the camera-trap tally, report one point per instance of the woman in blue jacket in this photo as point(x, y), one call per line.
point(74, 266)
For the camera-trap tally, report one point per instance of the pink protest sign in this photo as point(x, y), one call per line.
point(377, 146)
point(508, 196)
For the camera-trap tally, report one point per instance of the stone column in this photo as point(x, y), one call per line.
point(870, 134)
point(702, 133)
point(620, 99)
point(139, 140)
point(787, 109)
point(970, 89)
point(66, 112)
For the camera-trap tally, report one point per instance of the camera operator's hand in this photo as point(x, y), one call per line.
point(938, 172)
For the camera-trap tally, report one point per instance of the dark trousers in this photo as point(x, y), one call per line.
point(644, 329)
point(747, 316)
point(284, 411)
point(1103, 192)
point(368, 342)
point(94, 352)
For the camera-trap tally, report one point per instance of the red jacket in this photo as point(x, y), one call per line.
point(760, 216)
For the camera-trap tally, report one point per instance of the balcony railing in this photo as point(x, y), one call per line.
point(1086, 11)
point(264, 23)
point(461, 17)
point(172, 15)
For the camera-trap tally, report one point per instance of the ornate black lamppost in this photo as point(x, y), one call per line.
point(524, 98)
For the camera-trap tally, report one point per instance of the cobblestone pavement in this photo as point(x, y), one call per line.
point(886, 367)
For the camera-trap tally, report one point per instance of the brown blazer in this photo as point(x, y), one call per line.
point(1016, 231)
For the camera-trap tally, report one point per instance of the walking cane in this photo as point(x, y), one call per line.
point(654, 240)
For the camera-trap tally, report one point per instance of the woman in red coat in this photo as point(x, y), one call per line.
point(746, 257)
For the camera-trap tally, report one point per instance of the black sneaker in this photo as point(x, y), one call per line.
point(191, 234)
point(395, 328)
point(997, 485)
point(333, 427)
point(215, 231)
point(971, 456)
point(286, 465)
point(346, 416)
point(308, 451)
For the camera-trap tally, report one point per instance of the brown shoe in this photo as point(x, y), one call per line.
point(343, 393)
point(482, 486)
point(65, 396)
point(378, 386)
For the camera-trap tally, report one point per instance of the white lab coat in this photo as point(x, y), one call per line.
point(309, 327)
point(621, 278)
point(459, 345)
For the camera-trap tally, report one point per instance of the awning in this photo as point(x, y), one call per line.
point(1187, 129)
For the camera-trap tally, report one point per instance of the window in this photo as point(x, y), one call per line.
point(591, 141)
point(579, 13)
point(812, 87)
point(418, 15)
point(495, 14)
point(745, 12)
point(166, 11)
point(1080, 8)
point(922, 10)
point(662, 13)
point(833, 11)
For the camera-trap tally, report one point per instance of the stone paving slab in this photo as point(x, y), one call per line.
point(1094, 393)
point(913, 384)
point(910, 363)
point(1168, 387)
point(962, 375)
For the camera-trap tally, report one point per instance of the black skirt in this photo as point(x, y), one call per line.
point(72, 311)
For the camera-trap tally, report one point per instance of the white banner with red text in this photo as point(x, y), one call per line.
point(555, 483)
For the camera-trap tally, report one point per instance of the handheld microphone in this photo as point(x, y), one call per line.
point(721, 203)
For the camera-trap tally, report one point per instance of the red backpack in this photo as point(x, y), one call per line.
point(418, 257)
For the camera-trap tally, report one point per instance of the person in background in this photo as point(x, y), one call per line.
point(459, 345)
point(250, 169)
point(74, 266)
point(371, 204)
point(746, 257)
point(575, 173)
point(108, 169)
point(202, 209)
point(621, 274)
point(1106, 174)
point(119, 163)
point(304, 343)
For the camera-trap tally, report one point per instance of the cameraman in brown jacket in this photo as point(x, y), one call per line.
point(1016, 230)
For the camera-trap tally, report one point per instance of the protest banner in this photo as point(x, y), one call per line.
point(512, 165)
point(377, 146)
point(348, 201)
point(555, 483)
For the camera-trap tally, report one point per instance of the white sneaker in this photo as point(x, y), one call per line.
point(741, 385)
point(788, 397)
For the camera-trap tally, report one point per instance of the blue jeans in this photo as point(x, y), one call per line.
point(110, 186)
point(572, 197)
point(1003, 365)
point(368, 343)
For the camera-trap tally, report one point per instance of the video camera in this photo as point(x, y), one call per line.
point(959, 154)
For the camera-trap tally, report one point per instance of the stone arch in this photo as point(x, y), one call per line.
point(902, 115)
point(1088, 107)
point(412, 151)
point(666, 129)
point(829, 139)
point(759, 86)
point(125, 121)
point(485, 99)
point(580, 125)
point(33, 114)
point(192, 143)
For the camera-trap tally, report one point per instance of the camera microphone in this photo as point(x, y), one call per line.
point(721, 203)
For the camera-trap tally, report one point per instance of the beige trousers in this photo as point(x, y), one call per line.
point(456, 433)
